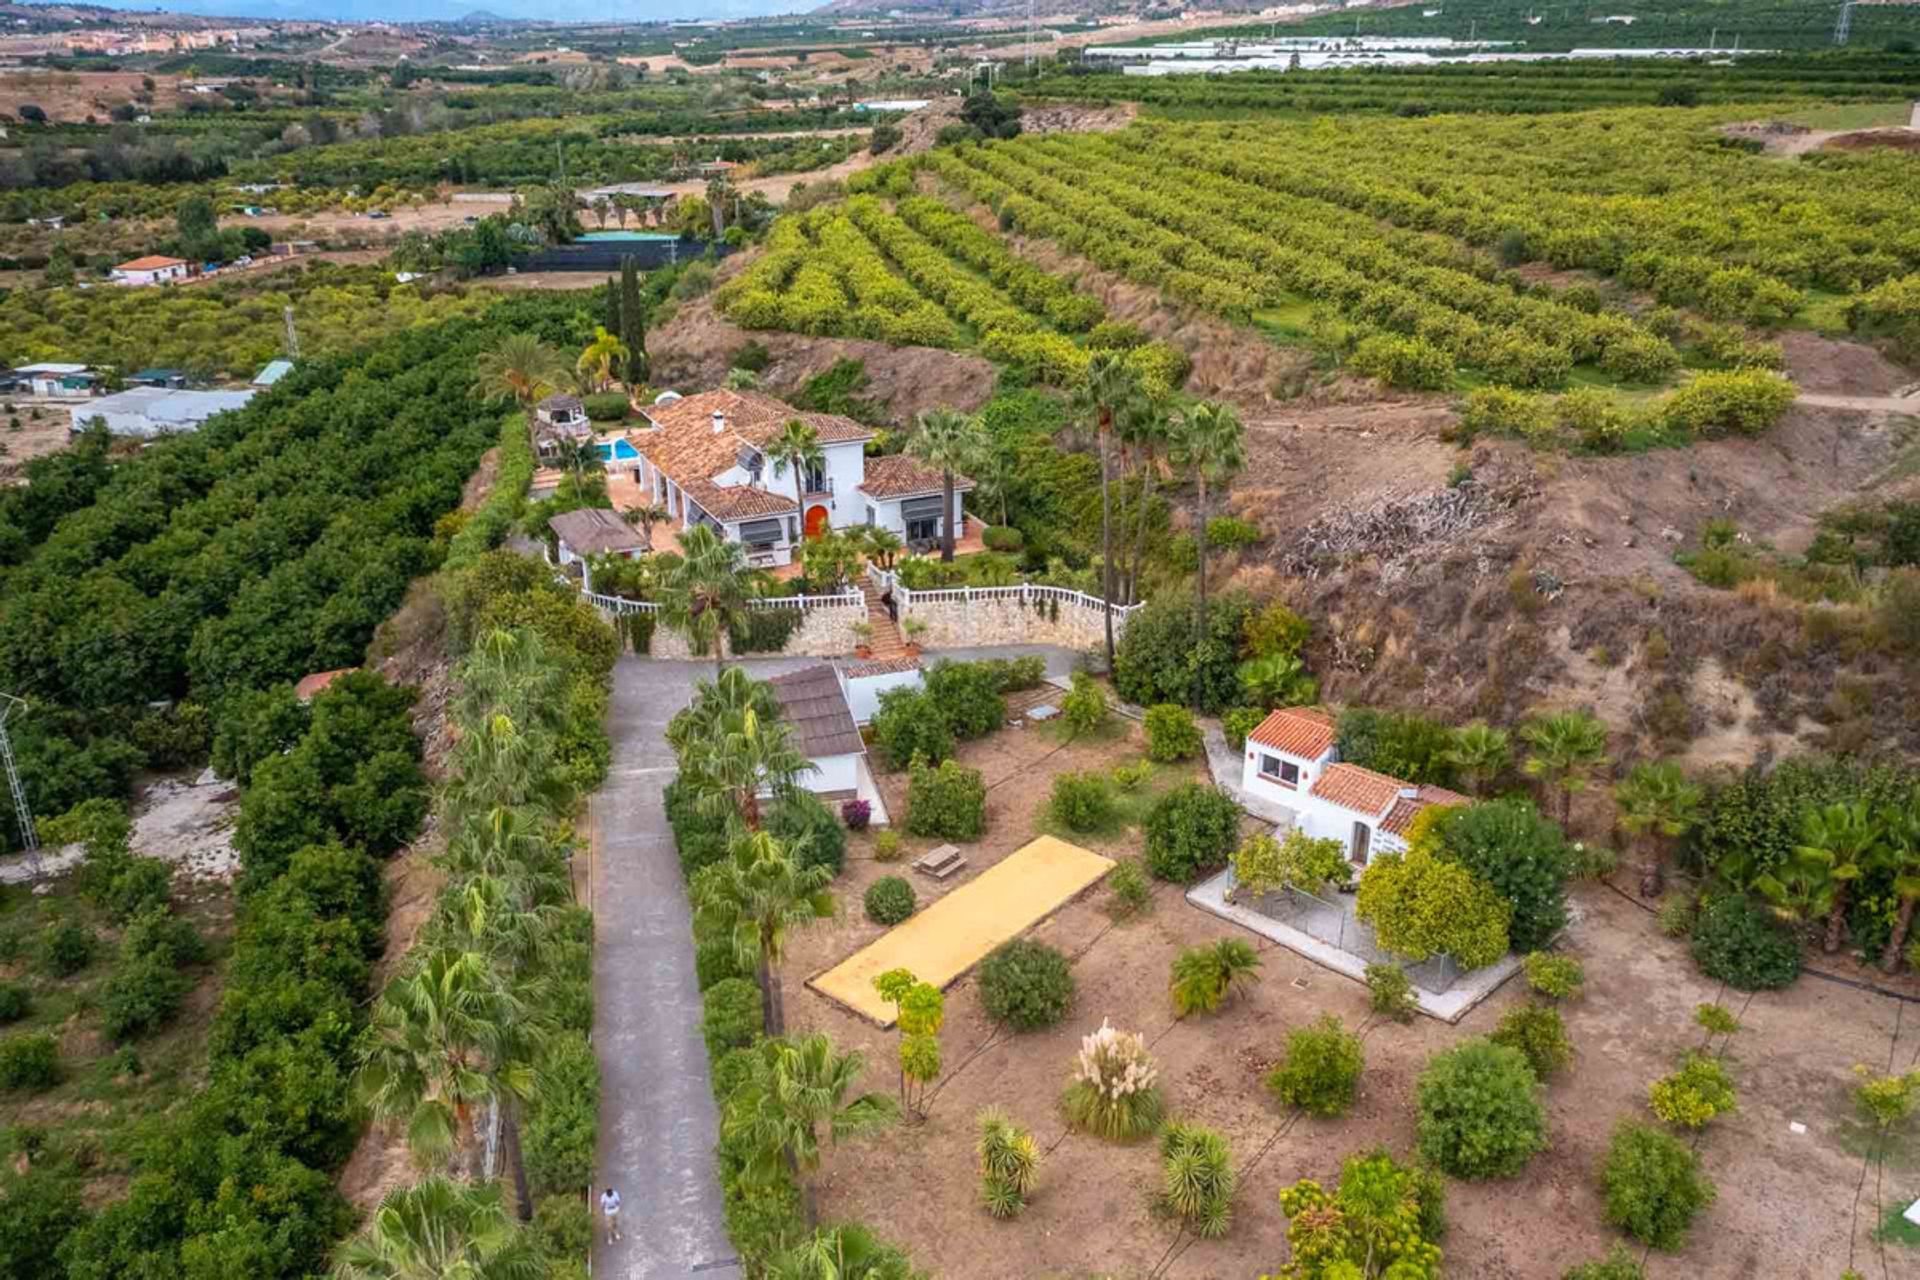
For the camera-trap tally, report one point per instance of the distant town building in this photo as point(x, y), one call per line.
point(153, 269)
point(56, 379)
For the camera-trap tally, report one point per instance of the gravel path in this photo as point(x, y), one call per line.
point(658, 1121)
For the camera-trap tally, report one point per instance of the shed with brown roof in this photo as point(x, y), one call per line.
point(595, 531)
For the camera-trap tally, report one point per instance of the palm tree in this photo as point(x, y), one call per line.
point(1565, 747)
point(705, 593)
point(646, 515)
point(1480, 752)
point(715, 703)
point(444, 1037)
point(579, 457)
point(797, 1087)
point(882, 545)
point(1900, 854)
point(797, 446)
point(742, 756)
point(601, 208)
point(439, 1229)
point(1658, 799)
point(847, 1252)
point(949, 441)
point(1800, 889)
point(1843, 838)
point(1209, 439)
point(1149, 429)
point(602, 357)
point(754, 896)
point(520, 366)
point(1108, 390)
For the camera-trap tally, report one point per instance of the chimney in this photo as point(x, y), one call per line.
point(719, 422)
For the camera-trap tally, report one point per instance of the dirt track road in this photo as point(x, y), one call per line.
point(1868, 404)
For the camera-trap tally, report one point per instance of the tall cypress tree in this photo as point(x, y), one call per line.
point(633, 323)
point(612, 322)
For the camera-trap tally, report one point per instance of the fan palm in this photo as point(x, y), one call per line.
point(1209, 440)
point(882, 545)
point(1844, 838)
point(1658, 800)
point(1147, 430)
point(743, 755)
point(705, 592)
point(1900, 854)
point(646, 515)
point(1109, 390)
point(755, 895)
point(798, 1087)
point(444, 1037)
point(602, 358)
point(714, 703)
point(520, 366)
point(1480, 752)
point(1564, 749)
point(849, 1252)
point(950, 441)
point(797, 446)
point(439, 1229)
point(1800, 889)
point(1203, 977)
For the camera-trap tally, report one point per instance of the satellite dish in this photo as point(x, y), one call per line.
point(666, 397)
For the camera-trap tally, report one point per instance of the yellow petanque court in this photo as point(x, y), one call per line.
point(951, 936)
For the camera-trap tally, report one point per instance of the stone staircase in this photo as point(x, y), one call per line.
point(887, 642)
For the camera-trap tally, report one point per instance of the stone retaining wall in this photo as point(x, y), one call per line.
point(958, 623)
point(822, 633)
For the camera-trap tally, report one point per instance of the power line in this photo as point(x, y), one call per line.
point(31, 839)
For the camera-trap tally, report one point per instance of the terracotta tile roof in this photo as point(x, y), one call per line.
point(812, 703)
point(312, 686)
point(1406, 808)
point(737, 502)
point(1362, 790)
point(593, 530)
point(884, 667)
point(684, 445)
point(1299, 731)
point(152, 262)
point(898, 476)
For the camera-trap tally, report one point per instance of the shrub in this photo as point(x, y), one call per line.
point(1538, 1032)
point(1738, 942)
point(889, 900)
point(1231, 533)
point(909, 723)
point(1420, 906)
point(1131, 777)
point(1009, 1164)
point(1746, 401)
point(1405, 1206)
point(143, 994)
point(562, 1128)
point(1390, 992)
point(1011, 675)
point(856, 814)
point(1163, 657)
point(1263, 865)
point(1197, 1172)
point(1321, 1071)
point(1132, 892)
point(886, 846)
point(1556, 977)
point(1677, 912)
point(967, 695)
point(1237, 722)
point(1619, 1264)
point(608, 407)
point(1002, 538)
point(1189, 830)
point(1398, 744)
point(731, 1016)
point(1274, 632)
point(16, 1002)
point(1203, 977)
point(1171, 733)
point(1083, 801)
point(1596, 418)
point(1692, 1096)
point(1403, 362)
point(1480, 1112)
point(1716, 1020)
point(715, 960)
point(1653, 1185)
point(564, 1226)
point(1114, 1092)
point(66, 950)
point(1085, 707)
point(1640, 357)
point(29, 1062)
point(949, 802)
point(1026, 985)
point(803, 816)
point(1523, 855)
point(1501, 411)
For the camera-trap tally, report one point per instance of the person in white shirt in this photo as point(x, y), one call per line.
point(610, 1210)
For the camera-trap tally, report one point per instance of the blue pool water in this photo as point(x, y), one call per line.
point(602, 237)
point(618, 450)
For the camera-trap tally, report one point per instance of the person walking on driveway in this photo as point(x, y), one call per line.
point(610, 1210)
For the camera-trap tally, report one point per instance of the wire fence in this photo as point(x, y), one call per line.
point(1332, 921)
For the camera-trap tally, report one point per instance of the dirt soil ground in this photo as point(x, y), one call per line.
point(49, 435)
point(1787, 1200)
point(72, 96)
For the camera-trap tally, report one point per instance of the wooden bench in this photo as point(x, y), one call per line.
point(940, 863)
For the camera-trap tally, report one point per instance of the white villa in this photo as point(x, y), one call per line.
point(1292, 762)
point(703, 457)
point(150, 270)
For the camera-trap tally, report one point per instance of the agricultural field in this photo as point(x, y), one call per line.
point(1522, 88)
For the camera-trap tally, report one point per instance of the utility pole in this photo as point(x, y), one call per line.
point(293, 335)
point(29, 838)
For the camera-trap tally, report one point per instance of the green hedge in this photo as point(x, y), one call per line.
point(561, 1131)
point(486, 527)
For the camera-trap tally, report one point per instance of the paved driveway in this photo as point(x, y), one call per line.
point(658, 1122)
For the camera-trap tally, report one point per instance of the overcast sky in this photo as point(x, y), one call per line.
point(447, 10)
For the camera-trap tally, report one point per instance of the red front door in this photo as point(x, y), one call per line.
point(816, 521)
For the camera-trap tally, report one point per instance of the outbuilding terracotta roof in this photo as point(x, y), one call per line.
point(561, 400)
point(737, 502)
point(595, 530)
point(898, 476)
point(1405, 808)
point(811, 701)
point(152, 262)
point(1362, 790)
point(882, 667)
point(1298, 731)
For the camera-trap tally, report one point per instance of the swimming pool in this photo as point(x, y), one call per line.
point(605, 237)
point(618, 449)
